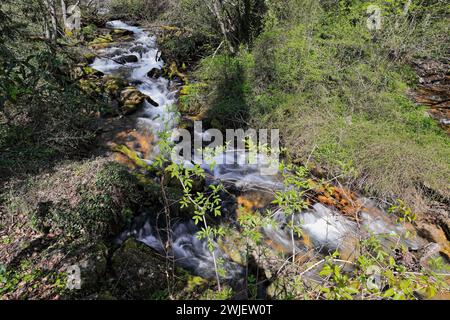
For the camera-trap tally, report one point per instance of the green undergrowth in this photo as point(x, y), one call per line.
point(92, 199)
point(338, 93)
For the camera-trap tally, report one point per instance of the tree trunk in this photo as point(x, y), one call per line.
point(51, 8)
point(64, 12)
point(217, 10)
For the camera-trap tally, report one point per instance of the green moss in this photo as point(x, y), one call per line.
point(107, 38)
point(132, 155)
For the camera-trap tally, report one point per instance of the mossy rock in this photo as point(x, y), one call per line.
point(131, 99)
point(113, 86)
point(89, 57)
point(107, 38)
point(216, 124)
point(122, 32)
point(92, 72)
point(89, 32)
point(103, 45)
point(139, 270)
point(90, 86)
point(173, 72)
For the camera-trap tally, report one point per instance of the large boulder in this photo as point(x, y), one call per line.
point(130, 58)
point(131, 99)
point(140, 271)
point(91, 199)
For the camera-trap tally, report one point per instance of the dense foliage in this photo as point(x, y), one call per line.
point(43, 116)
point(337, 91)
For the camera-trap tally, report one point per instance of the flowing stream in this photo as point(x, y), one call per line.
point(327, 229)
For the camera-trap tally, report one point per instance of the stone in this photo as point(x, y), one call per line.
point(152, 102)
point(113, 86)
point(140, 270)
point(131, 58)
point(131, 99)
point(93, 266)
point(434, 234)
point(139, 49)
point(155, 73)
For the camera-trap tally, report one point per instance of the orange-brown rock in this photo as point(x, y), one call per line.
point(343, 200)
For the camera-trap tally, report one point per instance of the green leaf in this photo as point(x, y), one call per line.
point(388, 293)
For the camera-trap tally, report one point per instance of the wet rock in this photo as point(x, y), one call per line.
point(152, 102)
point(100, 46)
point(131, 99)
point(433, 88)
point(122, 32)
point(174, 73)
point(139, 270)
point(131, 58)
point(114, 107)
point(234, 247)
point(155, 73)
point(139, 50)
point(92, 263)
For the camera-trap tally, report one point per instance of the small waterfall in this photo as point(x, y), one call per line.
point(144, 48)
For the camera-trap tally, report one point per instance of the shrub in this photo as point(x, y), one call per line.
point(43, 116)
point(337, 94)
point(138, 9)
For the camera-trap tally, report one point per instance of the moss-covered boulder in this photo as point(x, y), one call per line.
point(139, 270)
point(129, 58)
point(131, 99)
point(113, 86)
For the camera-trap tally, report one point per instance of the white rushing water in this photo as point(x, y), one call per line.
point(328, 229)
point(188, 251)
point(144, 48)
